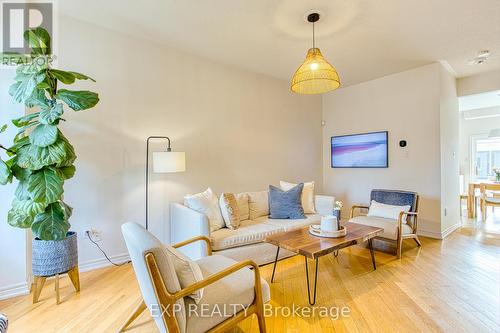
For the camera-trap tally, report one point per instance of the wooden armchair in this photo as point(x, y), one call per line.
point(394, 231)
point(156, 281)
point(489, 197)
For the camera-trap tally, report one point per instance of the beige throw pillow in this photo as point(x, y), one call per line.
point(187, 270)
point(307, 195)
point(207, 204)
point(258, 203)
point(229, 209)
point(242, 199)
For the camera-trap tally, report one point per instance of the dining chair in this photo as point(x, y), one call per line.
point(490, 196)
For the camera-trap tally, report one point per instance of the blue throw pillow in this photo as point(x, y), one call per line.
point(286, 204)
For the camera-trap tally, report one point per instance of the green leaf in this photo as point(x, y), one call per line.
point(63, 76)
point(51, 115)
point(29, 207)
point(19, 219)
point(68, 210)
point(3, 128)
point(24, 120)
point(38, 40)
point(61, 153)
point(51, 224)
point(45, 186)
point(21, 192)
point(5, 174)
point(78, 100)
point(66, 172)
point(80, 76)
point(22, 90)
point(37, 98)
point(20, 173)
point(43, 135)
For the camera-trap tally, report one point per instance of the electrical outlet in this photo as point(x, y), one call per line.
point(445, 212)
point(95, 234)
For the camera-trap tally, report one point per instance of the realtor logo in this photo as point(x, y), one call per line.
point(17, 17)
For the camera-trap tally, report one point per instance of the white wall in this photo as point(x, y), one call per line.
point(408, 105)
point(479, 83)
point(450, 147)
point(240, 130)
point(13, 242)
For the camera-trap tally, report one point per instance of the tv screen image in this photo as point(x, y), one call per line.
point(368, 150)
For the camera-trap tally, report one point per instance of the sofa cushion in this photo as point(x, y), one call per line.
point(242, 199)
point(249, 232)
point(286, 204)
point(206, 203)
point(229, 209)
point(390, 226)
point(223, 295)
point(307, 196)
point(287, 224)
point(258, 204)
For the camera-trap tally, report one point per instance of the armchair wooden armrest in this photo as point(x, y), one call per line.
point(167, 300)
point(353, 208)
point(195, 239)
point(408, 214)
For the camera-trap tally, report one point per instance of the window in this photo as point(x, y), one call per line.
point(486, 156)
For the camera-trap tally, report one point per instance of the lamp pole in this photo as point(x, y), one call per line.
point(147, 168)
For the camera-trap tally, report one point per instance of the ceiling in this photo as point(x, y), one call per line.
point(363, 39)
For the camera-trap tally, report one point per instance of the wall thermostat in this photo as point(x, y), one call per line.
point(402, 143)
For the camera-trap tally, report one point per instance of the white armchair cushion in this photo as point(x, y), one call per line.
point(258, 203)
point(139, 241)
point(206, 203)
point(390, 226)
point(307, 195)
point(378, 209)
point(187, 270)
point(223, 295)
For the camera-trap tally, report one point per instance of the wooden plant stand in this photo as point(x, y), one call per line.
point(39, 281)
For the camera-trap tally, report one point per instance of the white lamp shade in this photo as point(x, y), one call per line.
point(169, 161)
point(494, 133)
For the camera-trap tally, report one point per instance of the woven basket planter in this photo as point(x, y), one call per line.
point(54, 257)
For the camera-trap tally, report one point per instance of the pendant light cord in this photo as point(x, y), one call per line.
point(314, 46)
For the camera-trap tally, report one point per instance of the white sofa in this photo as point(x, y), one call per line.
point(245, 242)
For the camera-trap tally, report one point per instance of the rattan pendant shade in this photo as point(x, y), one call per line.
point(315, 75)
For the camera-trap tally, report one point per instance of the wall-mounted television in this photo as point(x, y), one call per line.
point(367, 150)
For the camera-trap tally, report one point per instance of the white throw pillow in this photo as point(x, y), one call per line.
point(187, 270)
point(258, 203)
point(242, 199)
point(378, 209)
point(208, 204)
point(307, 195)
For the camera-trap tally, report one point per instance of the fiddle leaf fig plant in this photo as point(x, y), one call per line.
point(41, 157)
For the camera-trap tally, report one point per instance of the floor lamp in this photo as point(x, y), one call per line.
point(163, 162)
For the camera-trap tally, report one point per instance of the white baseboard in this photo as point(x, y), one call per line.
point(448, 231)
point(439, 234)
point(102, 262)
point(14, 290)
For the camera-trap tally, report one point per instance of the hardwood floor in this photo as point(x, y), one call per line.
point(451, 285)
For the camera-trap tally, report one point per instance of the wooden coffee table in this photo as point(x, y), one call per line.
point(302, 242)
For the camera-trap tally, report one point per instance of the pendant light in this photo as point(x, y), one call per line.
point(315, 75)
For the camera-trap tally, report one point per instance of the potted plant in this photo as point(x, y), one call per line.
point(41, 157)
